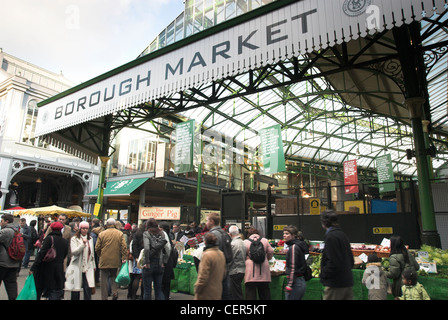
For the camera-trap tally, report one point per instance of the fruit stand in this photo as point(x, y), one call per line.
point(436, 284)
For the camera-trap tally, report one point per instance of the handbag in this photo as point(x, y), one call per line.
point(51, 253)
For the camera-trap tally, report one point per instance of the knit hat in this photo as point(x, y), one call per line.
point(56, 226)
point(127, 226)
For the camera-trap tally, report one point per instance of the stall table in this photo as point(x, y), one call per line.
point(186, 275)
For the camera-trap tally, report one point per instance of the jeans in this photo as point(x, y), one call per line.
point(298, 289)
point(153, 274)
point(26, 258)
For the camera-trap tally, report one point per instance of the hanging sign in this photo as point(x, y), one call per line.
point(159, 213)
point(351, 177)
point(289, 29)
point(183, 158)
point(272, 149)
point(385, 174)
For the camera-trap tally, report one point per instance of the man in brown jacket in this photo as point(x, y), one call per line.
point(212, 269)
point(112, 251)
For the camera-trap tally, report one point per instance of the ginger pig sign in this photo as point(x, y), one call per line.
point(159, 213)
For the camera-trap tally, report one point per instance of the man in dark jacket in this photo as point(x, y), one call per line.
point(8, 267)
point(337, 260)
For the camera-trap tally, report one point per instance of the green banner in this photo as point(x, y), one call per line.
point(183, 159)
point(385, 173)
point(272, 149)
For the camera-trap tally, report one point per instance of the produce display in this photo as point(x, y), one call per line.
point(436, 255)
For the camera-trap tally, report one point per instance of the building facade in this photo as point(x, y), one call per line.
point(32, 172)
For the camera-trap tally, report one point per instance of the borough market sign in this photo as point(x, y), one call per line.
point(297, 28)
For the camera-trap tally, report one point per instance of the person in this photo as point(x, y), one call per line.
point(168, 273)
point(30, 249)
point(157, 252)
point(49, 276)
point(212, 269)
point(177, 232)
point(295, 263)
point(213, 225)
point(237, 266)
point(8, 266)
point(337, 260)
point(375, 279)
point(112, 251)
point(80, 274)
point(192, 229)
point(95, 230)
point(25, 230)
point(136, 274)
point(258, 276)
point(412, 289)
point(399, 260)
point(66, 234)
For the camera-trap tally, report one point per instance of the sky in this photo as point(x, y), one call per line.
point(82, 38)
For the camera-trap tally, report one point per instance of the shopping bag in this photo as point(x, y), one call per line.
point(123, 278)
point(29, 290)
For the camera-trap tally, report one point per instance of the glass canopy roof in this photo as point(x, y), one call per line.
point(318, 125)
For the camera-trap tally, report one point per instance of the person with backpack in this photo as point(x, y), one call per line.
point(295, 263)
point(157, 250)
point(213, 224)
point(258, 274)
point(8, 266)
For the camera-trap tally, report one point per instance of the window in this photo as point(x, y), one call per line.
point(30, 125)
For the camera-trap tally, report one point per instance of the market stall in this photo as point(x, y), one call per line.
point(433, 273)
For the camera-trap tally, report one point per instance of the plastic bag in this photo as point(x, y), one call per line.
point(123, 278)
point(29, 289)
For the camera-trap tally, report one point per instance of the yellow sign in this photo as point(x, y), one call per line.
point(383, 230)
point(96, 210)
point(279, 227)
point(314, 206)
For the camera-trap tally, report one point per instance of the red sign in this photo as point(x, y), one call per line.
point(351, 177)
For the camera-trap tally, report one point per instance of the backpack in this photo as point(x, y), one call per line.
point(226, 246)
point(256, 251)
point(17, 249)
point(157, 244)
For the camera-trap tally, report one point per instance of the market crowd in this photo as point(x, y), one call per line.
point(76, 257)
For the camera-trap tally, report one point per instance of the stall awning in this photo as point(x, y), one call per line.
point(120, 187)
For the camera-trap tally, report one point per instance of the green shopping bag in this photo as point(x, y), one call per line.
point(123, 278)
point(29, 289)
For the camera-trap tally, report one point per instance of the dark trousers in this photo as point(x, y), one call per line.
point(262, 288)
point(9, 277)
point(235, 286)
point(76, 295)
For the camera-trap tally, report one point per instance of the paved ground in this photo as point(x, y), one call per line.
point(122, 293)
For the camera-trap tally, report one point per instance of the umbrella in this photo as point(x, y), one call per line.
point(52, 210)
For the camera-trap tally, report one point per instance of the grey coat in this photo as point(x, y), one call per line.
point(238, 263)
point(6, 235)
